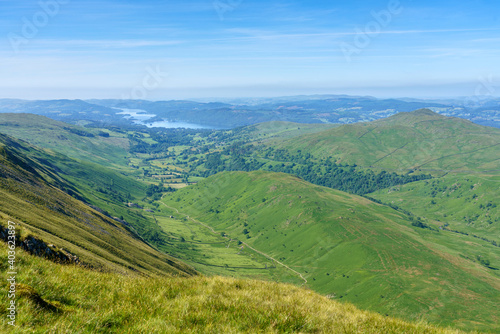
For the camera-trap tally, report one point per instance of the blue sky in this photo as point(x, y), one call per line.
point(229, 48)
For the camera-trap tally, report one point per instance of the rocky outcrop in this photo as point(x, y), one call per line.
point(38, 247)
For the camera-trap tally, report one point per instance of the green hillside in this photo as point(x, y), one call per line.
point(51, 298)
point(420, 139)
point(347, 247)
point(277, 130)
point(31, 197)
point(74, 141)
point(467, 203)
point(97, 185)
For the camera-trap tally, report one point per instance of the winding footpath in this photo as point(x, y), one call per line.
point(244, 243)
point(273, 259)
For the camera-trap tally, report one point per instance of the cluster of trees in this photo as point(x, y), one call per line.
point(153, 189)
point(323, 172)
point(347, 178)
point(216, 162)
point(164, 138)
point(78, 132)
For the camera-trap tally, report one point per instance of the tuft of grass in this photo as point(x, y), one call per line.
point(29, 293)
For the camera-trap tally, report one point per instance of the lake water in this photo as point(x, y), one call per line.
point(174, 125)
point(135, 114)
point(141, 117)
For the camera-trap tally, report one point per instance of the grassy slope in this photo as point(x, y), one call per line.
point(60, 299)
point(419, 139)
point(28, 198)
point(47, 133)
point(278, 130)
point(347, 247)
point(100, 186)
point(212, 254)
point(466, 203)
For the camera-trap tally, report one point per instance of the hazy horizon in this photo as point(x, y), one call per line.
point(42, 96)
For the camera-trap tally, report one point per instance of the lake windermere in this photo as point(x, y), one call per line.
point(141, 117)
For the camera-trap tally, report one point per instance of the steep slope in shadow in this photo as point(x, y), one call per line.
point(31, 196)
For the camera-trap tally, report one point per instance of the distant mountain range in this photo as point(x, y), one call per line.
point(231, 113)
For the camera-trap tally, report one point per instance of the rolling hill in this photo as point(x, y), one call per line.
point(32, 196)
point(276, 131)
point(347, 247)
point(116, 192)
point(71, 111)
point(74, 141)
point(418, 140)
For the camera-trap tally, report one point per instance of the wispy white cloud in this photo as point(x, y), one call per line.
point(261, 34)
point(486, 40)
point(453, 52)
point(116, 44)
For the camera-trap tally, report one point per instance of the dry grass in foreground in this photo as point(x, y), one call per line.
point(55, 298)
